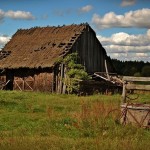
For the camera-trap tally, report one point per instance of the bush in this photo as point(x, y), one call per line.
point(75, 73)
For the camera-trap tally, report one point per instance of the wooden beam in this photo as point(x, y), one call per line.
point(106, 68)
point(15, 82)
point(137, 87)
point(129, 78)
point(124, 93)
point(28, 85)
point(64, 85)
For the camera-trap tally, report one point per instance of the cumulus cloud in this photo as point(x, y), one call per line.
point(19, 15)
point(138, 18)
point(3, 40)
point(125, 46)
point(124, 39)
point(16, 15)
point(86, 9)
point(127, 3)
point(131, 56)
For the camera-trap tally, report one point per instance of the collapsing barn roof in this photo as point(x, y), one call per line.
point(39, 46)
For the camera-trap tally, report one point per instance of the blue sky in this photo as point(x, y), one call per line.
point(122, 26)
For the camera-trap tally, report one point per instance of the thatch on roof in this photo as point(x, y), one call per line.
point(39, 46)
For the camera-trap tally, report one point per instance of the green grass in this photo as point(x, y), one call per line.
point(37, 121)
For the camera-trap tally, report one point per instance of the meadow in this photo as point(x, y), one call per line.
point(32, 120)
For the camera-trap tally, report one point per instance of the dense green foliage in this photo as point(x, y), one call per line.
point(132, 68)
point(35, 121)
point(75, 73)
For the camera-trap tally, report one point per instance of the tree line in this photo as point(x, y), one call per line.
point(132, 68)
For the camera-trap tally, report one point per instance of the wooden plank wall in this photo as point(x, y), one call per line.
point(38, 82)
point(43, 82)
point(91, 52)
point(58, 80)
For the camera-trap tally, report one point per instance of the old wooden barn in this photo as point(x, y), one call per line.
point(29, 60)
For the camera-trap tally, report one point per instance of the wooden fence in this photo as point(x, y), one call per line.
point(134, 83)
point(137, 114)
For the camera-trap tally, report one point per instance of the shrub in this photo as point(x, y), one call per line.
point(75, 73)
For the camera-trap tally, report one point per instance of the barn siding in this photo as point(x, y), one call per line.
point(30, 80)
point(43, 82)
point(92, 54)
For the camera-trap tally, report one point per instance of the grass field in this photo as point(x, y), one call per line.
point(45, 121)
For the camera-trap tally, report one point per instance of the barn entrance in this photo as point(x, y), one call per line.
point(37, 82)
point(24, 83)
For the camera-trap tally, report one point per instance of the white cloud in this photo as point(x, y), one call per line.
point(19, 15)
point(3, 40)
point(141, 54)
point(16, 15)
point(138, 18)
point(131, 56)
point(127, 47)
point(86, 8)
point(127, 3)
point(124, 39)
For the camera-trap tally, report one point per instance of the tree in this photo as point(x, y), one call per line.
point(137, 74)
point(146, 71)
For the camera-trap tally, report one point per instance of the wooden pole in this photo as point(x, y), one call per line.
point(107, 70)
point(124, 93)
point(64, 85)
point(61, 77)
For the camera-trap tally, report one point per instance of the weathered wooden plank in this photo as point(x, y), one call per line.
point(129, 78)
point(64, 85)
point(137, 87)
point(17, 85)
point(108, 77)
point(132, 86)
point(61, 77)
point(124, 93)
point(25, 82)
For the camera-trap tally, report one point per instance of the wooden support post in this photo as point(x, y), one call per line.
point(107, 70)
point(23, 83)
point(10, 78)
point(61, 78)
point(56, 89)
point(124, 93)
point(64, 85)
point(53, 82)
point(58, 81)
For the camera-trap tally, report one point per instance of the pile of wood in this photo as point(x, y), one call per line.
point(109, 77)
point(101, 83)
point(90, 87)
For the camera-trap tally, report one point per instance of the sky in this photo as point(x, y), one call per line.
point(122, 26)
